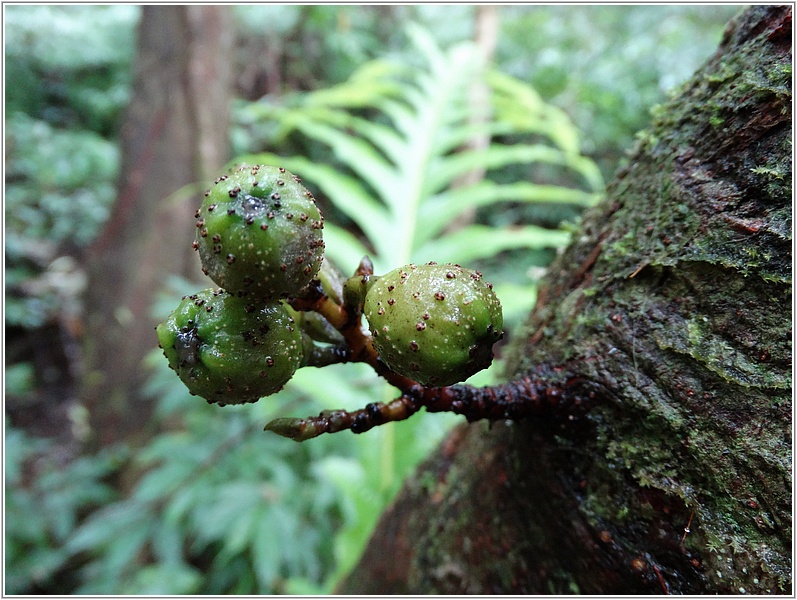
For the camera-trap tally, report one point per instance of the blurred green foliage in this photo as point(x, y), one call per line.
point(403, 135)
point(47, 494)
point(606, 66)
point(210, 504)
point(389, 145)
point(67, 75)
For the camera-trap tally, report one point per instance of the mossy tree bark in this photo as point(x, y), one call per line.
point(673, 309)
point(174, 133)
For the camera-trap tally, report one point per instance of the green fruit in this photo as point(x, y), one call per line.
point(229, 351)
point(434, 323)
point(259, 233)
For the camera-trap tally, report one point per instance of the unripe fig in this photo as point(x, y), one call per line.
point(259, 233)
point(228, 350)
point(434, 323)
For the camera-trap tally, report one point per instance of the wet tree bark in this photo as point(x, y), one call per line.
point(175, 133)
point(674, 305)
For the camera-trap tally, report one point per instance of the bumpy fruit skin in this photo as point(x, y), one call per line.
point(229, 351)
point(434, 323)
point(259, 233)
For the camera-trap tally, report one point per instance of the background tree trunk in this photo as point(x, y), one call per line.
point(175, 133)
point(674, 306)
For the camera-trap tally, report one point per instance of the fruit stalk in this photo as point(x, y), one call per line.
point(519, 399)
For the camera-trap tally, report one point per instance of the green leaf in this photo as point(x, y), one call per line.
point(445, 169)
point(366, 87)
point(342, 247)
point(164, 580)
point(476, 242)
point(106, 525)
point(357, 153)
point(345, 191)
point(442, 209)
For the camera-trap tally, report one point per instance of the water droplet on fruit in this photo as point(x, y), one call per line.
point(252, 206)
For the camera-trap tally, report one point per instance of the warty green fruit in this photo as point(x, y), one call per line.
point(259, 233)
point(435, 324)
point(228, 350)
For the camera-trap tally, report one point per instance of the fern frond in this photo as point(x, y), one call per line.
point(403, 137)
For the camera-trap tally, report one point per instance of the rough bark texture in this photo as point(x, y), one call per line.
point(174, 133)
point(675, 304)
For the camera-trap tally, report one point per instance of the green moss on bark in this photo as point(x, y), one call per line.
point(683, 313)
point(675, 305)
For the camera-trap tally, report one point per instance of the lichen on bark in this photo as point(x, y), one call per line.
point(674, 302)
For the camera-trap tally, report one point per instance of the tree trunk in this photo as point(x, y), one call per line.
point(175, 133)
point(674, 304)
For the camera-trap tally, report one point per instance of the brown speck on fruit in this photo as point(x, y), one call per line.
point(426, 316)
point(216, 238)
point(380, 311)
point(414, 346)
point(195, 245)
point(280, 182)
point(269, 215)
point(231, 211)
point(281, 169)
point(203, 232)
point(450, 275)
point(299, 260)
point(198, 302)
point(200, 223)
point(390, 288)
point(263, 226)
point(420, 326)
point(262, 373)
point(307, 270)
point(248, 281)
point(391, 301)
point(207, 193)
point(283, 267)
point(297, 179)
point(439, 296)
point(212, 207)
point(275, 196)
point(269, 361)
point(302, 217)
point(230, 259)
point(234, 191)
point(250, 220)
point(209, 308)
point(289, 216)
point(196, 214)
